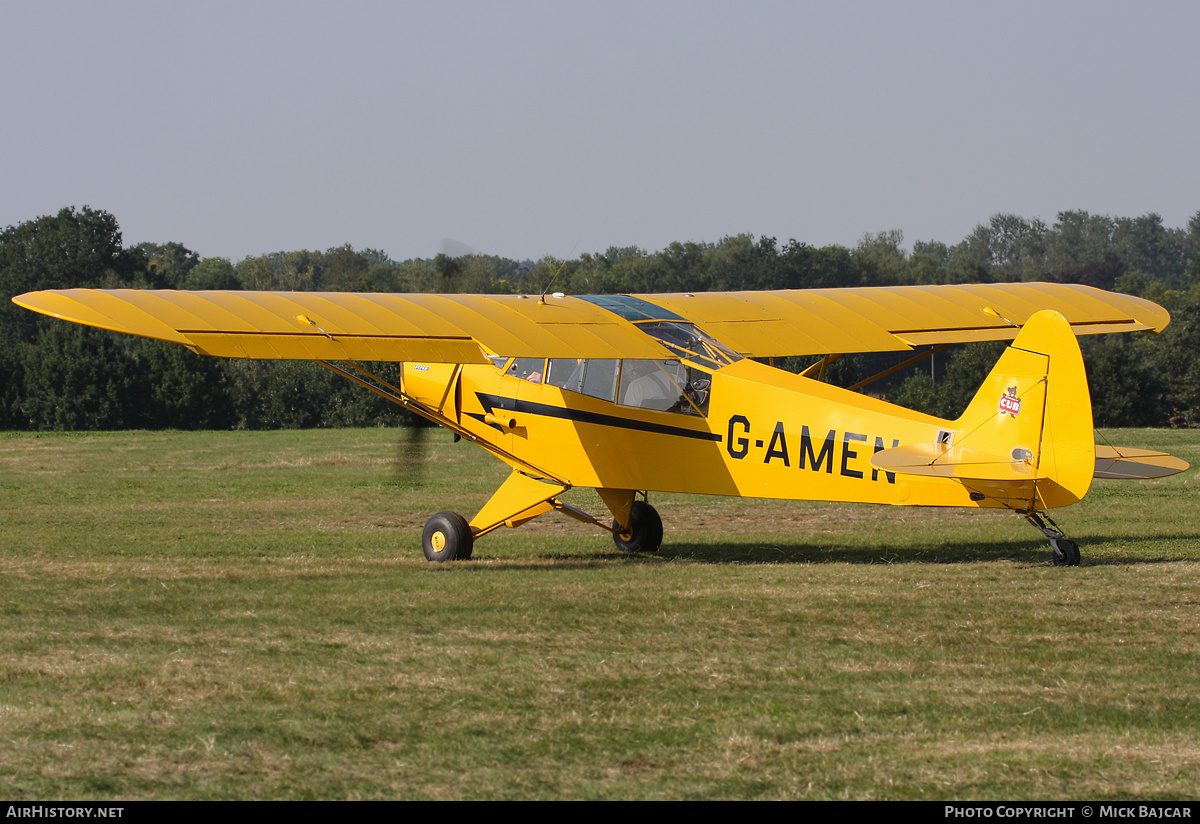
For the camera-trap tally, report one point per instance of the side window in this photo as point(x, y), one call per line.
point(600, 379)
point(566, 373)
point(596, 377)
point(529, 369)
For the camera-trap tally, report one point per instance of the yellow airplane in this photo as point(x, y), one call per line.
point(633, 394)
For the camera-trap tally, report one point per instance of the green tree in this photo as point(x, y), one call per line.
point(301, 271)
point(278, 394)
point(345, 270)
point(257, 274)
point(212, 273)
point(480, 275)
point(677, 268)
point(72, 249)
point(448, 271)
point(169, 264)
point(738, 262)
point(919, 392)
point(1144, 243)
point(1008, 247)
point(1124, 390)
point(1101, 274)
point(302, 394)
point(1191, 249)
point(1077, 239)
point(1174, 359)
point(186, 391)
point(80, 378)
point(948, 397)
point(75, 248)
point(881, 260)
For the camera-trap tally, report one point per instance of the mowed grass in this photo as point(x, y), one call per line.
point(248, 615)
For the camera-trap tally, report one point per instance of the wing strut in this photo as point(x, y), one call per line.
point(931, 351)
point(819, 367)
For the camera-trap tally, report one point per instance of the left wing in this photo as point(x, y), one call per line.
point(355, 326)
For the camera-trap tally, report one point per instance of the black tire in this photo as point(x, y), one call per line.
point(447, 537)
point(646, 528)
point(1066, 552)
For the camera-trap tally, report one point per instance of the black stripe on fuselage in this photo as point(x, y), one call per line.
point(491, 402)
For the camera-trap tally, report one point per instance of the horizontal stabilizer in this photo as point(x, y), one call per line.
point(1126, 463)
point(955, 462)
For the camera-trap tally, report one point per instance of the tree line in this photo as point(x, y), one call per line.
point(56, 375)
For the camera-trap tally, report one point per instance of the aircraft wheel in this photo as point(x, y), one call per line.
point(447, 537)
point(646, 527)
point(1066, 552)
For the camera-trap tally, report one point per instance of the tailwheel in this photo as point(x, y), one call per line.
point(1064, 551)
point(447, 537)
point(645, 531)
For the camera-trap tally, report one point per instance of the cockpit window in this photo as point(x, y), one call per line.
point(651, 384)
point(685, 340)
point(674, 332)
point(668, 386)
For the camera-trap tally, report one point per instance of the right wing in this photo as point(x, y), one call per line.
point(893, 318)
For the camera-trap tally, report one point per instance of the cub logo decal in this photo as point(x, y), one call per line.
point(1010, 404)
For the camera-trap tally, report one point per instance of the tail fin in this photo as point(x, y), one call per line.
point(1026, 438)
point(1035, 408)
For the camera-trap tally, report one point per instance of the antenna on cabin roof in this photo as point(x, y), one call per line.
point(555, 270)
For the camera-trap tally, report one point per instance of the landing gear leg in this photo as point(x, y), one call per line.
point(1065, 551)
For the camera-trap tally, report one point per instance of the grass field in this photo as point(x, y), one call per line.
point(248, 615)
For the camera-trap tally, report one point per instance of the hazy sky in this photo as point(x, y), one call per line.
point(524, 129)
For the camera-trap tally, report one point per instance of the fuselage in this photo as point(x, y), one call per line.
point(760, 432)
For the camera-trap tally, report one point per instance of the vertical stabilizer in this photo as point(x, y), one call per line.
point(1035, 407)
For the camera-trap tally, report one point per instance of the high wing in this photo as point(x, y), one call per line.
point(465, 328)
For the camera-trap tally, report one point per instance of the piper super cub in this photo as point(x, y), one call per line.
point(632, 394)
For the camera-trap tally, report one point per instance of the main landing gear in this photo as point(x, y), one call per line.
point(448, 536)
point(645, 531)
point(1065, 551)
